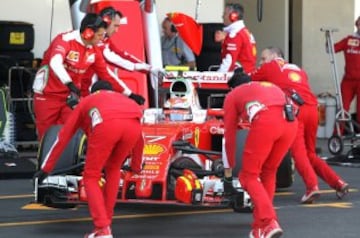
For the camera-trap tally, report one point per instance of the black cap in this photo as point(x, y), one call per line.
point(101, 85)
point(238, 78)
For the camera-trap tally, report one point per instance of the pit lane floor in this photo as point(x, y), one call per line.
point(328, 217)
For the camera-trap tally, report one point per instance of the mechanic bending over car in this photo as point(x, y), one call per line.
point(64, 63)
point(114, 57)
point(112, 126)
point(294, 82)
point(269, 138)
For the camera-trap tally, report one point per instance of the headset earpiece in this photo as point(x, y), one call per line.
point(233, 16)
point(88, 33)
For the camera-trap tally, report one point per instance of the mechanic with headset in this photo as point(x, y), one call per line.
point(272, 131)
point(238, 44)
point(112, 126)
point(174, 50)
point(294, 82)
point(114, 56)
point(57, 83)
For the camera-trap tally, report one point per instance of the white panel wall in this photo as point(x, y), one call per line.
point(208, 11)
point(38, 12)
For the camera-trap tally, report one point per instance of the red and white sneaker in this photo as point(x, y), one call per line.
point(311, 195)
point(255, 233)
point(100, 233)
point(272, 230)
point(342, 190)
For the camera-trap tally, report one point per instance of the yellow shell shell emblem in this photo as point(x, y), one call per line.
point(153, 149)
point(266, 84)
point(294, 77)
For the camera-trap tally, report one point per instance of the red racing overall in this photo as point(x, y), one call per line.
point(50, 92)
point(268, 140)
point(239, 46)
point(308, 164)
point(111, 122)
point(350, 84)
point(113, 59)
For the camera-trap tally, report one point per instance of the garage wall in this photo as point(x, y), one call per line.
point(39, 13)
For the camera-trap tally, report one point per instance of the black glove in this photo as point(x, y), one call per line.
point(137, 98)
point(73, 88)
point(228, 186)
point(40, 175)
point(72, 100)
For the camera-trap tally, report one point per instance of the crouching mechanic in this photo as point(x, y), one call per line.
point(111, 123)
point(64, 63)
point(115, 57)
point(270, 135)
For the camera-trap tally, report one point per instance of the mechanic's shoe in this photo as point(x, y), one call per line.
point(255, 233)
point(342, 190)
point(272, 230)
point(311, 195)
point(100, 233)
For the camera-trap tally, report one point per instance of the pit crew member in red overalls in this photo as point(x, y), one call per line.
point(114, 56)
point(66, 60)
point(268, 140)
point(294, 82)
point(111, 123)
point(238, 44)
point(350, 84)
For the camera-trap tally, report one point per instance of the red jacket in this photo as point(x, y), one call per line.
point(240, 44)
point(100, 107)
point(350, 45)
point(242, 104)
point(77, 59)
point(287, 76)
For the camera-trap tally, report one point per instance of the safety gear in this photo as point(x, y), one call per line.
point(137, 98)
point(73, 88)
point(72, 100)
point(188, 188)
point(342, 190)
point(228, 187)
point(40, 175)
point(311, 195)
point(100, 233)
point(157, 71)
point(142, 66)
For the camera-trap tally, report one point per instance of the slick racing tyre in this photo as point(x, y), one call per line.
point(285, 174)
point(175, 171)
point(72, 154)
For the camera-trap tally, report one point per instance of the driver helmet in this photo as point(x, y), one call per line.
point(183, 99)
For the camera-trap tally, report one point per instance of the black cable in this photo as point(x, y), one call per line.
point(260, 10)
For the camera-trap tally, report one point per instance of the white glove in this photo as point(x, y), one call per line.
point(156, 71)
point(142, 66)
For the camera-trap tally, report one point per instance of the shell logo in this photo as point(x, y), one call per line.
point(266, 84)
point(294, 77)
point(153, 149)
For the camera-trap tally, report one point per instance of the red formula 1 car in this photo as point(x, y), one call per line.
point(182, 153)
